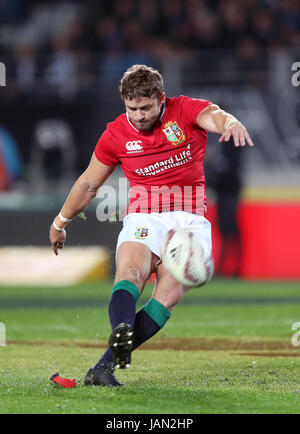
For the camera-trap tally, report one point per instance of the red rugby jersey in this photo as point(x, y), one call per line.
point(164, 166)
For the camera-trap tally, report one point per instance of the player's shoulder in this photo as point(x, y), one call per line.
point(116, 128)
point(175, 100)
point(117, 123)
point(190, 99)
point(183, 100)
point(188, 108)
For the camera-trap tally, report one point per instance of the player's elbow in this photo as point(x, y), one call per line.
point(92, 189)
point(88, 187)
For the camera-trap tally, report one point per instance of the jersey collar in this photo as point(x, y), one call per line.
point(163, 111)
point(131, 124)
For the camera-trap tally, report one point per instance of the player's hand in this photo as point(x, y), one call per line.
point(238, 133)
point(57, 239)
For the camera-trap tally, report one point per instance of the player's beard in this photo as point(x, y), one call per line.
point(148, 124)
point(150, 118)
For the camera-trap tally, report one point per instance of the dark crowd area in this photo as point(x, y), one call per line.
point(54, 39)
point(120, 26)
point(64, 58)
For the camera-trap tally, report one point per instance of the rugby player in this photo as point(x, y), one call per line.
point(160, 144)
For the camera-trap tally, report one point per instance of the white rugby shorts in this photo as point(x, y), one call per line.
point(150, 229)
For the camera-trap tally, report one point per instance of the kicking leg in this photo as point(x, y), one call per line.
point(154, 315)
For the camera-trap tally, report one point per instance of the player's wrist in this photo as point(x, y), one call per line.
point(58, 227)
point(230, 122)
point(60, 222)
point(64, 219)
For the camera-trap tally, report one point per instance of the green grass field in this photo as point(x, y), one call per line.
point(226, 349)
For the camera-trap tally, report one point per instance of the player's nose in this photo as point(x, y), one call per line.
point(140, 115)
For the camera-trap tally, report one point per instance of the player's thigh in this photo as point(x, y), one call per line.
point(134, 262)
point(168, 291)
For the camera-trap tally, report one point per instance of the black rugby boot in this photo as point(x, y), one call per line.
point(120, 342)
point(102, 375)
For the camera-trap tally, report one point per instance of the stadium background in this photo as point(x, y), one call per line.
point(63, 62)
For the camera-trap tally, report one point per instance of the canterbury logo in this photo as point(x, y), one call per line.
point(134, 146)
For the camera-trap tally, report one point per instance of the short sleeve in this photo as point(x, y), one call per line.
point(104, 150)
point(191, 107)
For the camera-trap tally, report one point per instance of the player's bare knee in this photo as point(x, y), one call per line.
point(133, 274)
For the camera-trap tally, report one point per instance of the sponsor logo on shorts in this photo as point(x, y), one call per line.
point(141, 233)
point(134, 147)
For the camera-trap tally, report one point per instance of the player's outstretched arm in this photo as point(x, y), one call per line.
point(82, 193)
point(216, 120)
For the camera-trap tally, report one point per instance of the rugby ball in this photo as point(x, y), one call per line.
point(187, 259)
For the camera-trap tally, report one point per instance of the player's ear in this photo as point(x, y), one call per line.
point(162, 98)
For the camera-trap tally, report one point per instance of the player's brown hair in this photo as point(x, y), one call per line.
point(141, 81)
